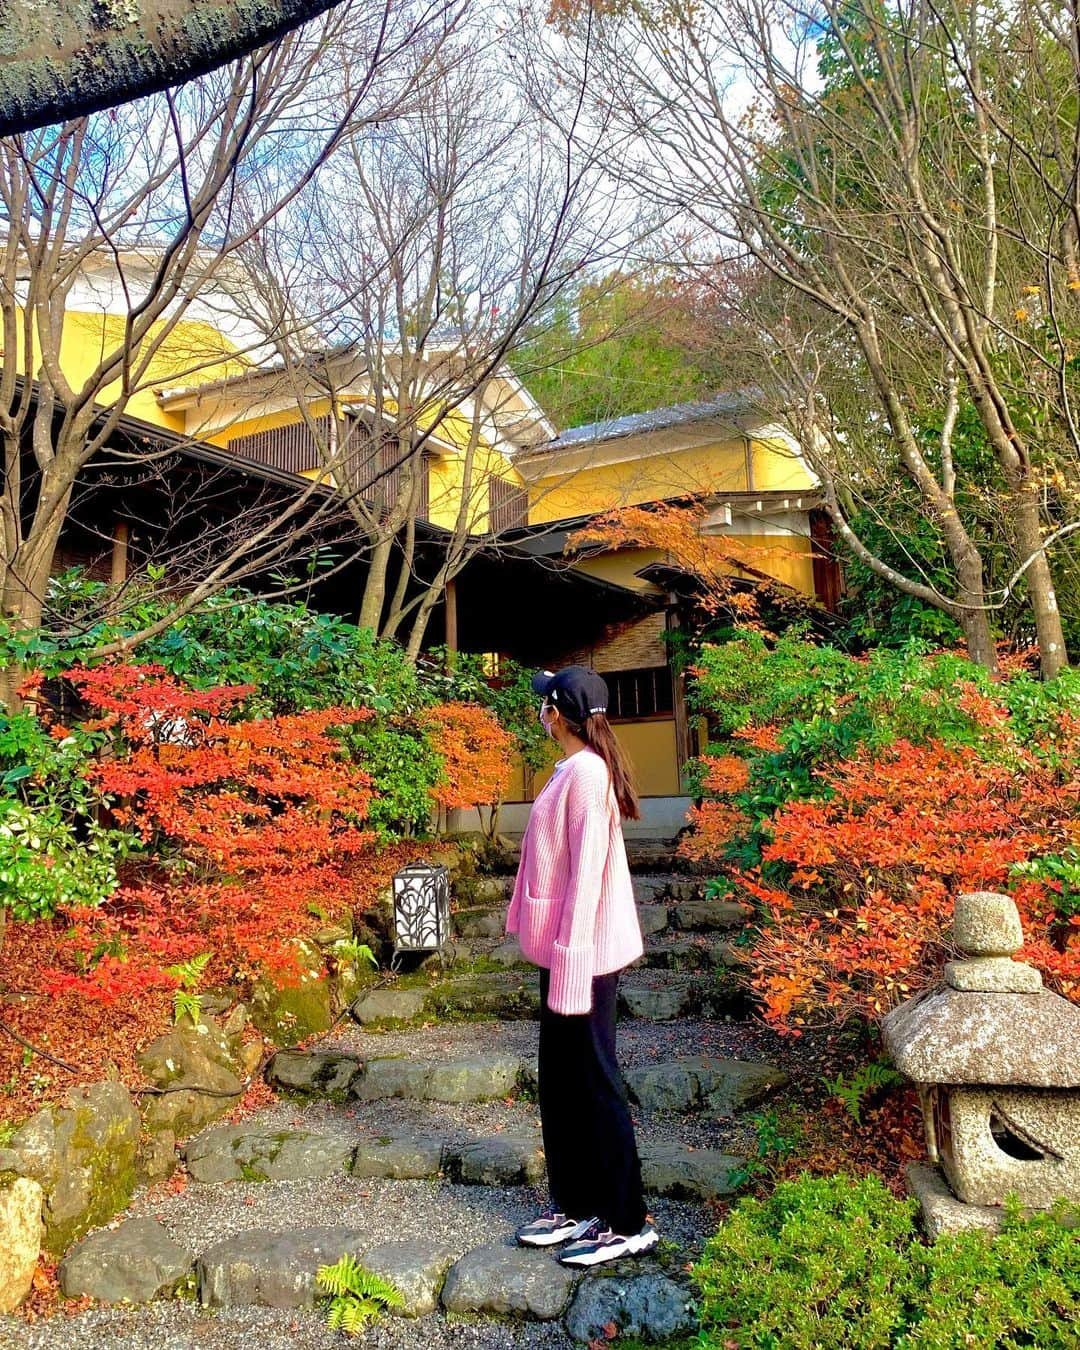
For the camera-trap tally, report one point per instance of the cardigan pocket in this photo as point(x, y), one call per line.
point(538, 925)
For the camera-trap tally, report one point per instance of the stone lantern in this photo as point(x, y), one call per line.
point(996, 1060)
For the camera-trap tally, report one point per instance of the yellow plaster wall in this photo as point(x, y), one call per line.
point(720, 467)
point(191, 354)
point(621, 567)
point(650, 746)
point(786, 557)
point(601, 487)
point(777, 469)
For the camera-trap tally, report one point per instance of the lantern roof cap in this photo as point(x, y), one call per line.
point(957, 1036)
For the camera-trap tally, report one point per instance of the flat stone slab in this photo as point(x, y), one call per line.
point(657, 1003)
point(404, 1157)
point(475, 1078)
point(646, 1307)
point(509, 995)
point(652, 918)
point(389, 1005)
point(416, 1268)
point(134, 1263)
point(647, 889)
point(500, 1160)
point(271, 1270)
point(705, 916)
point(238, 1153)
point(720, 1087)
point(672, 1169)
point(941, 1211)
point(316, 1073)
point(508, 1280)
point(508, 953)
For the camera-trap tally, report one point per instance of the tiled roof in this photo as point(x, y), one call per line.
point(656, 419)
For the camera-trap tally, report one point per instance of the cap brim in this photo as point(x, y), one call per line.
point(542, 682)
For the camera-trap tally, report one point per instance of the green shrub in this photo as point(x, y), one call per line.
point(837, 1262)
point(404, 769)
point(1021, 1288)
point(46, 864)
point(821, 1262)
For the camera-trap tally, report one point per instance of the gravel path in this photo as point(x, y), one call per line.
point(183, 1326)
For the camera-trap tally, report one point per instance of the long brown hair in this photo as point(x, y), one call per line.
point(597, 734)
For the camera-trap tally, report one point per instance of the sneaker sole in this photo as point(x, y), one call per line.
point(554, 1239)
point(637, 1245)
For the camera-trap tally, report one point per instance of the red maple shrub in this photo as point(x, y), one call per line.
point(856, 881)
point(476, 752)
point(250, 827)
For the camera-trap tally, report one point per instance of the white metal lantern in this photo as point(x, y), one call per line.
point(421, 909)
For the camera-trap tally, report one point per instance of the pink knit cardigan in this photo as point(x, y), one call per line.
point(573, 904)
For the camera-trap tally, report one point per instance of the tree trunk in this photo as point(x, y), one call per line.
point(371, 606)
point(1053, 658)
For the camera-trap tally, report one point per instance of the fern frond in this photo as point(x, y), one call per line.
point(189, 972)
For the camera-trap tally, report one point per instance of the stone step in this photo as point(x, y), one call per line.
point(240, 1153)
point(705, 916)
point(700, 1083)
point(662, 995)
point(473, 1078)
point(478, 892)
point(479, 921)
point(271, 1269)
point(688, 953)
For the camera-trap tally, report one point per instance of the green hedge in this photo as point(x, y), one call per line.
point(832, 1263)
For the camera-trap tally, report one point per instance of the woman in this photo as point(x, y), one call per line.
point(573, 910)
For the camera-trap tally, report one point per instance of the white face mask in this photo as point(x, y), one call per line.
point(545, 721)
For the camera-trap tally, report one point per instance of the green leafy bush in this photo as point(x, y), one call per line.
point(404, 769)
point(46, 864)
point(837, 1262)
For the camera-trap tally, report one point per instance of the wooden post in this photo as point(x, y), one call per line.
point(119, 570)
point(450, 601)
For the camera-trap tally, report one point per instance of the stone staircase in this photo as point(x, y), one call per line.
point(412, 1142)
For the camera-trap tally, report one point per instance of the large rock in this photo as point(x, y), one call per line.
point(319, 1073)
point(134, 1263)
point(475, 1078)
point(510, 996)
point(289, 1010)
point(645, 1307)
point(389, 1005)
point(82, 1155)
point(239, 1153)
point(20, 1239)
point(403, 1157)
point(700, 953)
point(648, 889)
point(672, 1169)
point(703, 916)
point(652, 918)
point(200, 1059)
point(657, 1003)
point(700, 1082)
point(501, 1160)
point(502, 1280)
point(416, 1268)
point(271, 1270)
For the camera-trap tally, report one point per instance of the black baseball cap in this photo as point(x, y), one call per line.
point(577, 691)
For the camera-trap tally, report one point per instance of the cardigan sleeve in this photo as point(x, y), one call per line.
point(513, 913)
point(573, 956)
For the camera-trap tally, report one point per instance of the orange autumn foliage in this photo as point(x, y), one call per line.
point(857, 884)
point(714, 561)
point(477, 754)
point(251, 824)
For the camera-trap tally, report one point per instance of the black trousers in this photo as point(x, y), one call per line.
point(592, 1158)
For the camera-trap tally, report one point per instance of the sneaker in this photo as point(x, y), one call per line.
point(598, 1244)
point(552, 1227)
